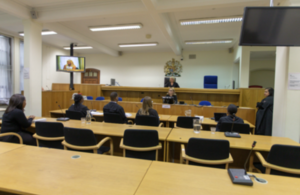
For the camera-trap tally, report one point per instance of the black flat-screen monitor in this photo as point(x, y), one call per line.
point(271, 26)
point(70, 64)
point(168, 100)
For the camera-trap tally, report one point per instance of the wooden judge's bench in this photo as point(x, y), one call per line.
point(245, 98)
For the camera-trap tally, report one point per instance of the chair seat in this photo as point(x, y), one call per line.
point(274, 172)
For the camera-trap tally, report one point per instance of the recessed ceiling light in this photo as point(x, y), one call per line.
point(117, 27)
point(43, 33)
point(211, 20)
point(79, 47)
point(208, 42)
point(138, 45)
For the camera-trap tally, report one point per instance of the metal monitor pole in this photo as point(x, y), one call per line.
point(71, 73)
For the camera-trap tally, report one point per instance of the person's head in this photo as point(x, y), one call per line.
point(114, 96)
point(69, 62)
point(147, 104)
point(269, 91)
point(78, 99)
point(171, 91)
point(16, 101)
point(232, 109)
point(172, 80)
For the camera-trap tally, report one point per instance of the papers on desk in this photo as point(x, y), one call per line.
point(128, 114)
point(200, 117)
point(40, 120)
point(97, 113)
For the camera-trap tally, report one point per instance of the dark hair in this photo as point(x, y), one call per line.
point(232, 109)
point(77, 99)
point(113, 96)
point(15, 101)
point(271, 91)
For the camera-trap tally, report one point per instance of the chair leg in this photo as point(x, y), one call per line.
point(95, 151)
point(124, 153)
point(156, 155)
point(65, 148)
point(268, 170)
point(37, 143)
point(187, 162)
point(227, 166)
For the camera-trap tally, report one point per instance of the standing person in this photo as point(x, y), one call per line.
point(264, 115)
point(171, 93)
point(147, 109)
point(114, 107)
point(172, 83)
point(78, 107)
point(14, 120)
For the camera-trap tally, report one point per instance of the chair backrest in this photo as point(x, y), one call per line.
point(73, 115)
point(120, 99)
point(211, 82)
point(142, 99)
point(236, 127)
point(204, 103)
point(208, 149)
point(146, 120)
point(100, 98)
point(50, 130)
point(80, 137)
point(284, 156)
point(141, 138)
point(113, 118)
point(89, 97)
point(185, 122)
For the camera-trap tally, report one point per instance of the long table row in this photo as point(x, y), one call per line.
point(33, 170)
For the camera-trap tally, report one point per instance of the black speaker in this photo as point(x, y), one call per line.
point(112, 82)
point(233, 84)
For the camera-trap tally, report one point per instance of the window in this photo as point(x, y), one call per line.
point(5, 70)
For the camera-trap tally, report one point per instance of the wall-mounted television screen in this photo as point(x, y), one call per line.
point(70, 64)
point(271, 26)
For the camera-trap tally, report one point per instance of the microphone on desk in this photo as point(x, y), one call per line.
point(62, 118)
point(240, 176)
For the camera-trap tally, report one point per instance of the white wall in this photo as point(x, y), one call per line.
point(147, 69)
point(262, 72)
point(49, 67)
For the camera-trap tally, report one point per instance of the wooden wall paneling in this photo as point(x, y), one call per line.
point(46, 103)
point(251, 96)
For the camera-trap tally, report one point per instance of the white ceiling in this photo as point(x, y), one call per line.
point(160, 19)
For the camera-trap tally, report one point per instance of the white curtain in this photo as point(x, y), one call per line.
point(21, 66)
point(5, 70)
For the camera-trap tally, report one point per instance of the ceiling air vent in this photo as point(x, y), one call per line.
point(192, 56)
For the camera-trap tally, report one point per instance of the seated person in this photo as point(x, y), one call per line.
point(147, 109)
point(114, 107)
point(14, 120)
point(171, 93)
point(70, 65)
point(78, 107)
point(231, 111)
point(172, 83)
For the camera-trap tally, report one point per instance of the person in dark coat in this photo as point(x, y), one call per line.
point(172, 83)
point(78, 107)
point(114, 107)
point(171, 93)
point(147, 109)
point(14, 120)
point(231, 112)
point(264, 115)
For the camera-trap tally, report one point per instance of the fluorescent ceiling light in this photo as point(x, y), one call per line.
point(79, 47)
point(211, 20)
point(208, 42)
point(118, 27)
point(138, 45)
point(43, 33)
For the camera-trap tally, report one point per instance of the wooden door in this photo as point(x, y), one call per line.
point(91, 75)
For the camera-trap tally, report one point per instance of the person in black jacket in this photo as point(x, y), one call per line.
point(147, 109)
point(78, 107)
point(172, 83)
point(171, 93)
point(114, 107)
point(231, 111)
point(264, 115)
point(14, 120)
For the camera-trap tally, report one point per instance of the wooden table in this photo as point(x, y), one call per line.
point(263, 143)
point(167, 178)
point(33, 170)
point(6, 147)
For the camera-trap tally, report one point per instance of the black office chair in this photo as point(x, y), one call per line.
point(236, 127)
point(49, 134)
point(85, 140)
point(12, 138)
point(142, 144)
point(113, 118)
point(185, 122)
point(73, 115)
point(207, 152)
point(282, 160)
point(147, 121)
